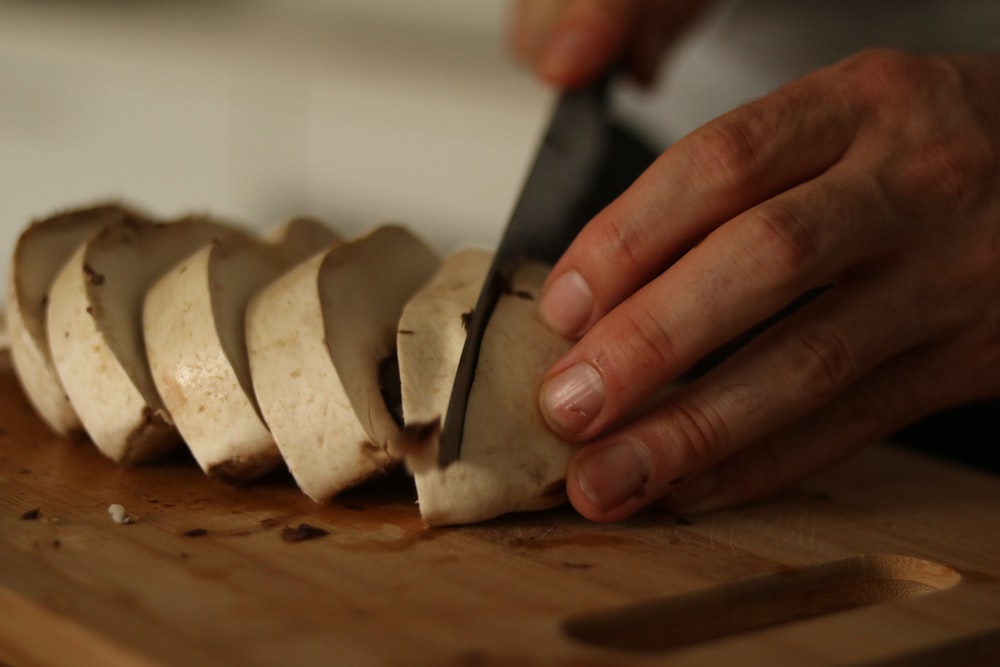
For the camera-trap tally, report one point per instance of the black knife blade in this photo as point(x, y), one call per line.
point(556, 200)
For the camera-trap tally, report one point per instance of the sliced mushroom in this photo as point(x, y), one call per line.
point(94, 323)
point(317, 338)
point(510, 460)
point(193, 320)
point(40, 253)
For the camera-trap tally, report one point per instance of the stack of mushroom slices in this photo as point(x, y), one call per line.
point(332, 357)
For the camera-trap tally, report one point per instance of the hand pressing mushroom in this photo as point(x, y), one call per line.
point(40, 253)
point(194, 325)
point(317, 338)
point(94, 323)
point(510, 460)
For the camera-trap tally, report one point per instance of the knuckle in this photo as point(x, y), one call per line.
point(647, 343)
point(697, 433)
point(962, 163)
point(885, 77)
point(824, 360)
point(781, 242)
point(947, 176)
point(619, 244)
point(727, 150)
point(918, 100)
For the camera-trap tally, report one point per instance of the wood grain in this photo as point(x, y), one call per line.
point(205, 577)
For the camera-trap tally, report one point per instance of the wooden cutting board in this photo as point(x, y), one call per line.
point(889, 559)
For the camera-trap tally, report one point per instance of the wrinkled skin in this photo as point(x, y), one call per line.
point(877, 178)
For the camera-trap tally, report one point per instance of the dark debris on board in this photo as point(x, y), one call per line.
point(302, 532)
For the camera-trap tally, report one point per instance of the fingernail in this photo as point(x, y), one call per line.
point(567, 304)
point(570, 400)
point(565, 53)
point(695, 492)
point(612, 475)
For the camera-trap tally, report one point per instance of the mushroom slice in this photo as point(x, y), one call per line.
point(193, 320)
point(320, 338)
point(94, 323)
point(510, 460)
point(40, 252)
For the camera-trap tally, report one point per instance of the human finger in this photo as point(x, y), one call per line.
point(739, 276)
point(586, 39)
point(789, 371)
point(713, 174)
point(902, 390)
point(529, 25)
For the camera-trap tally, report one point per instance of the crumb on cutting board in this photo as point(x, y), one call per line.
point(119, 515)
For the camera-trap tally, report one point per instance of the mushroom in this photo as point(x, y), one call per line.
point(510, 461)
point(94, 323)
point(320, 339)
point(40, 252)
point(193, 320)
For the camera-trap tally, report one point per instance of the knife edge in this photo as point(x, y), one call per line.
point(551, 209)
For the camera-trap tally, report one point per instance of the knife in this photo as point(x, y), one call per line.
point(557, 199)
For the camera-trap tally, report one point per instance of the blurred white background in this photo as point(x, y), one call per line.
point(357, 111)
point(360, 111)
